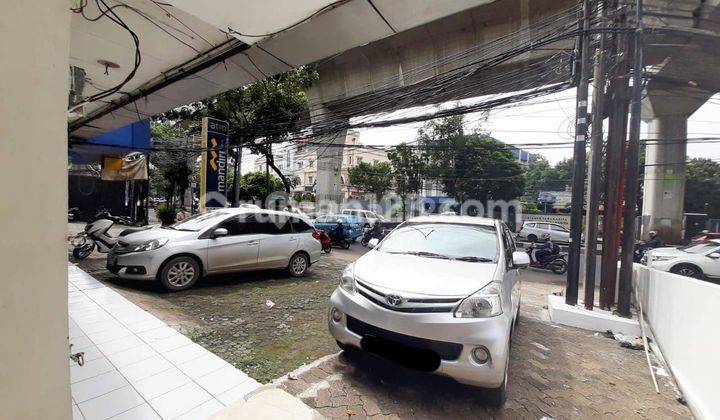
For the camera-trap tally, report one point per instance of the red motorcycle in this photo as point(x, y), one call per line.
point(324, 239)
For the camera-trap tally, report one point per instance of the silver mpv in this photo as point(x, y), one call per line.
point(217, 241)
point(439, 294)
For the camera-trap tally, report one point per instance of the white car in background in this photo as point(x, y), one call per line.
point(366, 217)
point(698, 260)
point(532, 231)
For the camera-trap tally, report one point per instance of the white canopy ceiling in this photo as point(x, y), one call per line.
point(192, 50)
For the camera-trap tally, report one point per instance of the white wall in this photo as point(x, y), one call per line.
point(683, 314)
point(34, 373)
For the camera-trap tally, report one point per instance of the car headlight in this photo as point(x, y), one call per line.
point(148, 246)
point(347, 280)
point(665, 258)
point(483, 304)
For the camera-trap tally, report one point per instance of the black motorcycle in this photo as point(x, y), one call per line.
point(553, 262)
point(368, 235)
point(344, 243)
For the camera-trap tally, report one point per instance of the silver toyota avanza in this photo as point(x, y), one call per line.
point(440, 294)
point(217, 241)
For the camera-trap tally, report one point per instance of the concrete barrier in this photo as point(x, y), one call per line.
point(683, 315)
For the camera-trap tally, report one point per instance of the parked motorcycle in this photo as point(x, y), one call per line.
point(95, 235)
point(554, 262)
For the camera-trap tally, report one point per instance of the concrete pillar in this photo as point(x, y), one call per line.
point(329, 160)
point(34, 372)
point(664, 188)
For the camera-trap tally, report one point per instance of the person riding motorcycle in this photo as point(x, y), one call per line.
point(546, 249)
point(376, 230)
point(654, 241)
point(338, 232)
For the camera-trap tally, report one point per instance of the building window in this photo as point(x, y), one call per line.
point(310, 163)
point(310, 179)
point(359, 160)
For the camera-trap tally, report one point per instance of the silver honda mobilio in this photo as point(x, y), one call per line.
point(217, 241)
point(440, 294)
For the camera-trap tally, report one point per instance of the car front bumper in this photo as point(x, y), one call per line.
point(431, 328)
point(142, 265)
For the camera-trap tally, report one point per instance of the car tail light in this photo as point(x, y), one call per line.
point(317, 235)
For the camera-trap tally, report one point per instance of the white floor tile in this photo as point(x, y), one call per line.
point(89, 353)
point(111, 404)
point(80, 343)
point(141, 326)
point(222, 380)
point(130, 356)
point(203, 411)
point(202, 365)
point(97, 386)
point(170, 343)
point(159, 333)
point(120, 344)
point(161, 383)
point(141, 412)
point(145, 368)
point(185, 353)
point(180, 400)
point(77, 415)
point(240, 391)
point(90, 369)
point(109, 335)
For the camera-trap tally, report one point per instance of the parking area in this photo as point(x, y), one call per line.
point(268, 324)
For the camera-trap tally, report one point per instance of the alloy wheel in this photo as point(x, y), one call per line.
point(299, 265)
point(181, 273)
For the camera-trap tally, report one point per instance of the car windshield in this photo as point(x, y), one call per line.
point(471, 243)
point(700, 248)
point(199, 221)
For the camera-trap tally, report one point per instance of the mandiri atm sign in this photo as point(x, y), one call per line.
point(213, 185)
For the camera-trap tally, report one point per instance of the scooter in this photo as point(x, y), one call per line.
point(324, 239)
point(554, 262)
point(95, 235)
point(368, 235)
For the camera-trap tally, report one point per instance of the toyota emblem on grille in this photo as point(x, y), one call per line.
point(394, 300)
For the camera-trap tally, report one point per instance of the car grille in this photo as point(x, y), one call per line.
point(446, 351)
point(412, 305)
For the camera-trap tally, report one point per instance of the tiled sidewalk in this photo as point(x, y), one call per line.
point(136, 367)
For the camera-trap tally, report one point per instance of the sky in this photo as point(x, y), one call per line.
point(548, 119)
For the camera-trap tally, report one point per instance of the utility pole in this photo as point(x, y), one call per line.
point(594, 180)
point(267, 174)
point(614, 168)
point(631, 177)
point(236, 177)
point(578, 185)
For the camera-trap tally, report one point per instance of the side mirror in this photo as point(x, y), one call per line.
point(715, 255)
point(373, 243)
point(220, 232)
point(520, 259)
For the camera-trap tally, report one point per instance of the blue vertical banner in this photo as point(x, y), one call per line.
point(213, 185)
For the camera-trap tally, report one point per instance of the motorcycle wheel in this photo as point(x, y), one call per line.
point(84, 251)
point(327, 249)
point(346, 245)
point(364, 241)
point(559, 266)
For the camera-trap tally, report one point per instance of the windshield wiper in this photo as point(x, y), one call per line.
point(427, 254)
point(473, 259)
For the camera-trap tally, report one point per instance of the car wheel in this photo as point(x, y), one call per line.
point(688, 270)
point(179, 273)
point(327, 249)
point(298, 265)
point(532, 238)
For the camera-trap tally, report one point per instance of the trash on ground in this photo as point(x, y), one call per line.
point(269, 303)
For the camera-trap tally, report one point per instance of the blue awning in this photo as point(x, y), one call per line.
point(132, 137)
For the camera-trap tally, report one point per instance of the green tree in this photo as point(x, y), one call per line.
point(171, 168)
point(254, 186)
point(702, 185)
point(260, 114)
point(407, 166)
point(372, 177)
point(470, 166)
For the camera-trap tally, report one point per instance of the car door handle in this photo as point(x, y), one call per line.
point(252, 243)
point(293, 239)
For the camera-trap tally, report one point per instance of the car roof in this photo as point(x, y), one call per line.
point(466, 220)
point(247, 210)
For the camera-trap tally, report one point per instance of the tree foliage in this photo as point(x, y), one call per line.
point(540, 176)
point(372, 177)
point(254, 186)
point(703, 183)
point(267, 110)
point(407, 167)
point(469, 166)
point(171, 170)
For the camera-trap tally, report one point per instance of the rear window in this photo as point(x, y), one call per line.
point(300, 225)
